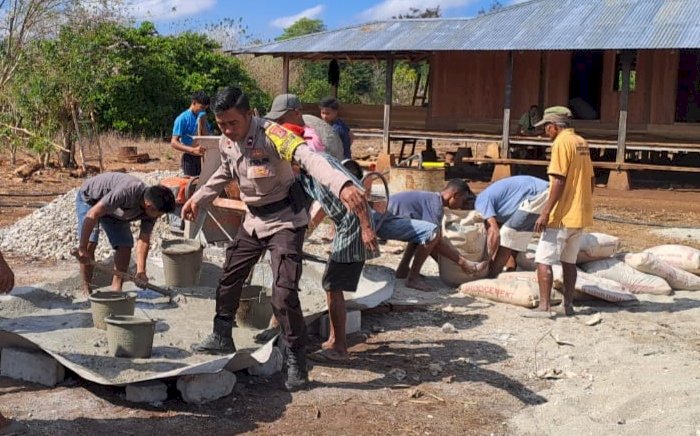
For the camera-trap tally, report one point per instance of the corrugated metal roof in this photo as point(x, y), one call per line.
point(534, 25)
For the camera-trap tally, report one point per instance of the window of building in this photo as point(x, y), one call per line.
point(618, 79)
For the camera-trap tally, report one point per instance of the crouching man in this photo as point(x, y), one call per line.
point(258, 154)
point(112, 201)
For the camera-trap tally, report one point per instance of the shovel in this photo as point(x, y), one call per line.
point(126, 276)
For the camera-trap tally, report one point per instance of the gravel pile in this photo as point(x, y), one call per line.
point(50, 232)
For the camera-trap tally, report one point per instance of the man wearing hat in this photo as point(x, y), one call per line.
point(568, 210)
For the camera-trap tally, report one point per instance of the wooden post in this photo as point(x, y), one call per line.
point(621, 180)
point(626, 58)
point(285, 74)
point(388, 96)
point(505, 139)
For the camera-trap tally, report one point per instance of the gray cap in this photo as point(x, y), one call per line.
point(556, 115)
point(282, 104)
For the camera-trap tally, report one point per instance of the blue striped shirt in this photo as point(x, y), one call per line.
point(347, 244)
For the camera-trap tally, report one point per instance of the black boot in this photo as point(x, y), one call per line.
point(220, 341)
point(297, 373)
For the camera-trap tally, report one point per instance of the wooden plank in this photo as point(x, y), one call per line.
point(603, 165)
point(388, 95)
point(285, 74)
point(626, 59)
point(505, 147)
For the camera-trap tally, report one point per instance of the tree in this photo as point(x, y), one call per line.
point(495, 5)
point(301, 27)
point(417, 13)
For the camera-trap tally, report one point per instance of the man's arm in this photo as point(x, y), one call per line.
point(93, 215)
point(195, 150)
point(555, 193)
point(143, 244)
point(205, 195)
point(340, 184)
point(493, 236)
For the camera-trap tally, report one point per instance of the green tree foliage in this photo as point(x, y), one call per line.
point(495, 5)
point(301, 27)
point(417, 13)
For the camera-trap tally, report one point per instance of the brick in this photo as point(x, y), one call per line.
point(153, 391)
point(202, 388)
point(353, 324)
point(269, 368)
point(32, 366)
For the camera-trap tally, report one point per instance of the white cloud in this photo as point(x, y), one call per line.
point(391, 8)
point(158, 10)
point(311, 13)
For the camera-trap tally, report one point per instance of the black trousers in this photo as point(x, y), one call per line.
point(285, 249)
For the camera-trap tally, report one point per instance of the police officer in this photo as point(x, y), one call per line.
point(257, 154)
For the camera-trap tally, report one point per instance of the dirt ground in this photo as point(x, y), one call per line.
point(634, 372)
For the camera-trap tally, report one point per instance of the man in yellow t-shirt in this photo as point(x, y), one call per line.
point(568, 210)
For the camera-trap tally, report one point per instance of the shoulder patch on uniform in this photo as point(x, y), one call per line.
point(284, 141)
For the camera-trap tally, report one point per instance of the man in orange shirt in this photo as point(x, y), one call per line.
point(568, 210)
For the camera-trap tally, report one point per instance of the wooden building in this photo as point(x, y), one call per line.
point(629, 70)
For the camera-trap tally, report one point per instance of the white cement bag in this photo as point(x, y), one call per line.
point(452, 274)
point(466, 232)
point(651, 264)
point(589, 285)
point(518, 292)
point(680, 256)
point(596, 246)
point(637, 282)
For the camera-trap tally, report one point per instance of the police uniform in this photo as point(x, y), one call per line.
point(261, 165)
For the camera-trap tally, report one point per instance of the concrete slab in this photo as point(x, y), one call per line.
point(147, 392)
point(31, 366)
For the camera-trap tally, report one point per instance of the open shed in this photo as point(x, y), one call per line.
point(629, 69)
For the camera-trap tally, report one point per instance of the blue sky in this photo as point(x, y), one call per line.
point(266, 19)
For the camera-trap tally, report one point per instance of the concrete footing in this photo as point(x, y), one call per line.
point(203, 388)
point(32, 366)
point(352, 325)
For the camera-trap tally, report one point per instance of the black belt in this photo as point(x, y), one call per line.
point(268, 209)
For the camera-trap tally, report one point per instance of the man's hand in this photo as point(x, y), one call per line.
point(7, 277)
point(190, 210)
point(370, 239)
point(82, 254)
point(541, 223)
point(353, 199)
point(197, 150)
point(141, 279)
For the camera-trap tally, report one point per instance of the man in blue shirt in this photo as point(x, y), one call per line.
point(428, 208)
point(329, 113)
point(510, 208)
point(190, 123)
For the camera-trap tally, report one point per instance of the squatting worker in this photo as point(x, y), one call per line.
point(258, 154)
point(112, 201)
point(568, 209)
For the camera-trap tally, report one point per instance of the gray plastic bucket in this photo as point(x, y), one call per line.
point(254, 308)
point(129, 336)
point(182, 262)
point(104, 304)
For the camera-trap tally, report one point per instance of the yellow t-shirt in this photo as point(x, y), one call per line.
point(571, 159)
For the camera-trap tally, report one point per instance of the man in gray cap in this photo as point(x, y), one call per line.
point(258, 154)
point(568, 210)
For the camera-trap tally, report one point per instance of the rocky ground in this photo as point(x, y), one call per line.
point(609, 370)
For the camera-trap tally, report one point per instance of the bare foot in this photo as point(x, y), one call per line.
point(329, 355)
point(564, 311)
point(417, 283)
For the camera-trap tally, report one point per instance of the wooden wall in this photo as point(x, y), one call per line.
point(466, 86)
